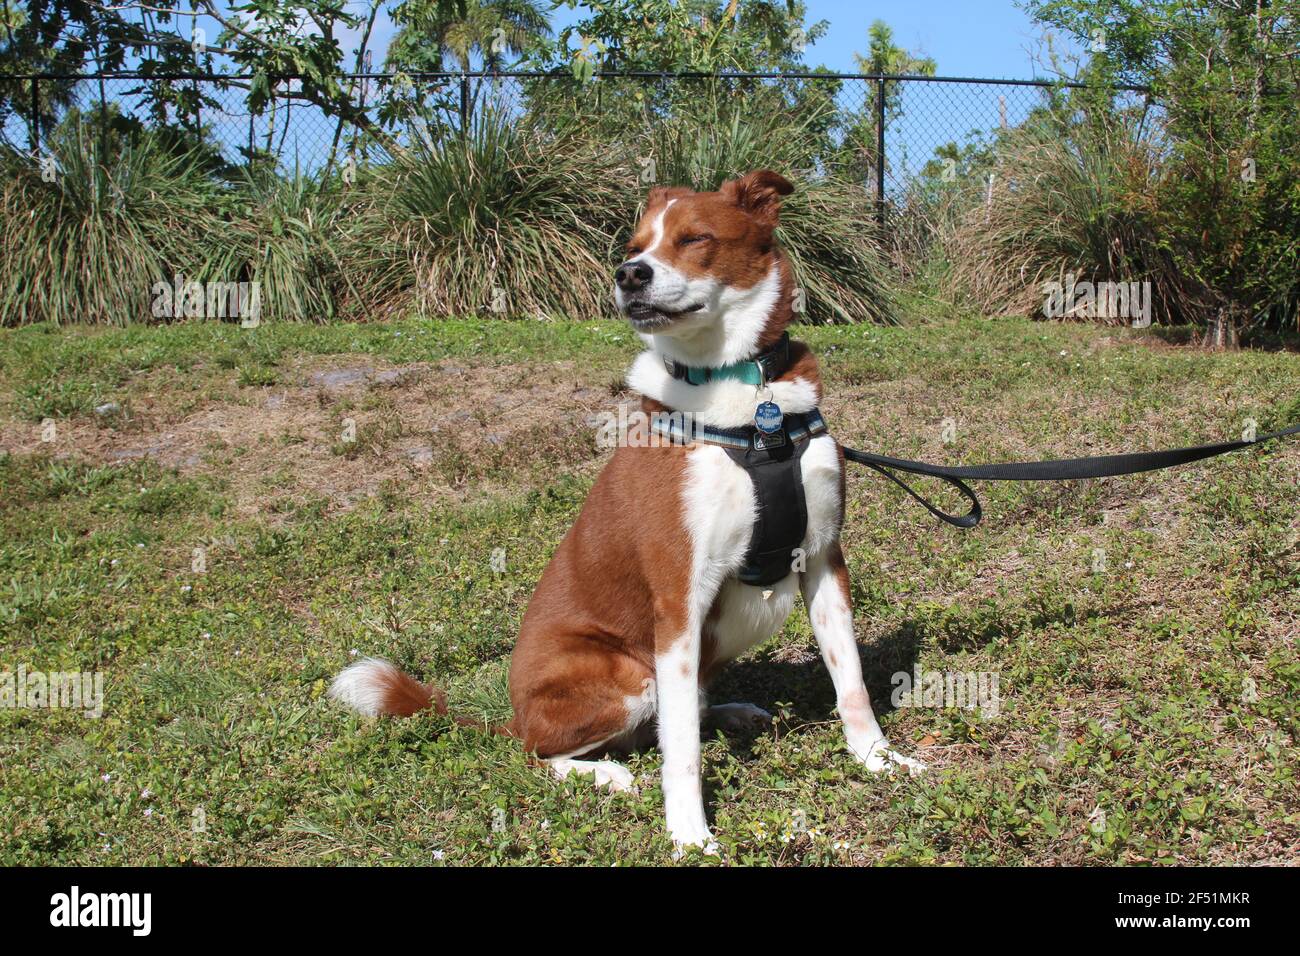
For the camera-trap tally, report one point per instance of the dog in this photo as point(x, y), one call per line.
point(662, 578)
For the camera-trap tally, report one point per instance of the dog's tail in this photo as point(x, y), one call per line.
point(375, 688)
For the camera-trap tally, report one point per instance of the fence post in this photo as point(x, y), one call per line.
point(464, 104)
point(36, 116)
point(103, 123)
point(880, 151)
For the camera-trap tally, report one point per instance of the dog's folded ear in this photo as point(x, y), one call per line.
point(759, 194)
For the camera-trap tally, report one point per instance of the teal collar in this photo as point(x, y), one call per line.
point(765, 367)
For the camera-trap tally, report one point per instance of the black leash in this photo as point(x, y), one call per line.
point(1102, 466)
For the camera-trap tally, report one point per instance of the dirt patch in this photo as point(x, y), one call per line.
point(337, 428)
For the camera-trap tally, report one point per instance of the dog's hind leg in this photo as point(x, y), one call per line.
point(640, 711)
point(826, 592)
point(589, 701)
point(604, 773)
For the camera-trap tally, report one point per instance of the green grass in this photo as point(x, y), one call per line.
point(87, 240)
point(1127, 733)
point(446, 228)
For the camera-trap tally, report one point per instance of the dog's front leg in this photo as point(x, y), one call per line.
point(826, 593)
point(677, 679)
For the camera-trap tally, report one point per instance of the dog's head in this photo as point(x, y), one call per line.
point(705, 265)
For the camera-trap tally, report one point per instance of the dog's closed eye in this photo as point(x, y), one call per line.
point(689, 240)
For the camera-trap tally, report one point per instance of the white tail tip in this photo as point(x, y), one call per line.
point(363, 686)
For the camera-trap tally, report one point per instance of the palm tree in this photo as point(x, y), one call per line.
point(884, 57)
point(436, 35)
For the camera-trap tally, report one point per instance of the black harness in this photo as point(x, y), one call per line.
point(773, 467)
point(771, 459)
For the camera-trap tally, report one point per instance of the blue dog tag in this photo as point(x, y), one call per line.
point(767, 417)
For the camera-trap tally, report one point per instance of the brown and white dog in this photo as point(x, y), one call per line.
point(640, 605)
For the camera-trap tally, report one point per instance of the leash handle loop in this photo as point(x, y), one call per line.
point(968, 520)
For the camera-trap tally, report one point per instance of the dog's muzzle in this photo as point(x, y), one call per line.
point(633, 276)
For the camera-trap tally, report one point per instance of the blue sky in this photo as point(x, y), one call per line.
point(965, 37)
point(993, 38)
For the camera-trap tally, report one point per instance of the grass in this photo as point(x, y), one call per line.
point(1149, 709)
point(449, 227)
point(85, 240)
point(284, 235)
point(1064, 200)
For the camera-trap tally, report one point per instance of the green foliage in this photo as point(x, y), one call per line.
point(264, 39)
point(856, 150)
point(523, 218)
point(509, 219)
point(285, 233)
point(89, 244)
point(884, 56)
point(663, 35)
point(434, 35)
point(701, 35)
point(1228, 193)
point(1065, 200)
point(1194, 191)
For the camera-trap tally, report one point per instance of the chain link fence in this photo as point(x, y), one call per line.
point(883, 131)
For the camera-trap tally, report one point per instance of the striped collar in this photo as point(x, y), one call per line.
point(682, 430)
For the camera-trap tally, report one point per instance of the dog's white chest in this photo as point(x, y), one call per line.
point(748, 615)
point(720, 513)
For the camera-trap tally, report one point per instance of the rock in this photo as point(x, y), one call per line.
point(108, 408)
point(131, 454)
point(360, 375)
point(338, 378)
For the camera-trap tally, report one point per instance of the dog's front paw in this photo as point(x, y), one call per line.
point(690, 832)
point(879, 758)
point(704, 844)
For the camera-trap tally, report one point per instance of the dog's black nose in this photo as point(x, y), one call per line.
point(631, 276)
